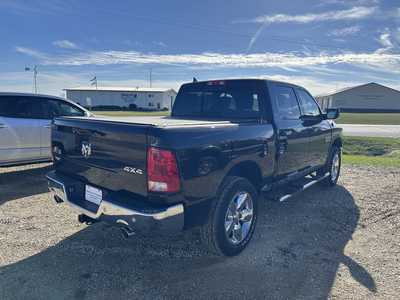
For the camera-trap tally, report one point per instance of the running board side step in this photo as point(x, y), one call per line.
point(283, 193)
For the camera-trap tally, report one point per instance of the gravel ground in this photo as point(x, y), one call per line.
point(340, 243)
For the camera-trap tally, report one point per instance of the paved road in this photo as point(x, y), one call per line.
point(371, 130)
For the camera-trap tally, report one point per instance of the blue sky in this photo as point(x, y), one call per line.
point(322, 45)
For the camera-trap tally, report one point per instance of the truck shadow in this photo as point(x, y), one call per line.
point(23, 183)
point(295, 254)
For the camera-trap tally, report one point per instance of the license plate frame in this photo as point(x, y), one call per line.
point(93, 194)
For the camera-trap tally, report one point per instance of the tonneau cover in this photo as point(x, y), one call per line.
point(156, 121)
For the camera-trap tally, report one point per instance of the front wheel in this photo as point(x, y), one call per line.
point(232, 219)
point(333, 167)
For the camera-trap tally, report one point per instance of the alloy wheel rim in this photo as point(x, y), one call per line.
point(239, 217)
point(335, 167)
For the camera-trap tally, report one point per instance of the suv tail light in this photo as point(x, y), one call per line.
point(162, 171)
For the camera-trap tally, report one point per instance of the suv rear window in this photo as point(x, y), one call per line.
point(25, 107)
point(58, 108)
point(219, 100)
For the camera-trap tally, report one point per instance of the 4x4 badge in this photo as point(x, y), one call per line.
point(86, 149)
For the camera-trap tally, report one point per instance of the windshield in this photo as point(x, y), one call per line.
point(217, 101)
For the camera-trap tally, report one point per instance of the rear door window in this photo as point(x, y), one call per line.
point(286, 102)
point(24, 107)
point(59, 108)
point(8, 107)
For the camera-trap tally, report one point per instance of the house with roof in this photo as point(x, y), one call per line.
point(122, 98)
point(370, 97)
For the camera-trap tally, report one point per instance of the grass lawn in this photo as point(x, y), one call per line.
point(372, 160)
point(131, 113)
point(371, 151)
point(369, 118)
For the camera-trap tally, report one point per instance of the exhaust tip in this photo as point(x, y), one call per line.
point(82, 218)
point(58, 200)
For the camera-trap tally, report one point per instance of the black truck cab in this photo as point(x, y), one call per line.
point(226, 143)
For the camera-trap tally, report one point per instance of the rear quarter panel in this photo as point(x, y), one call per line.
point(205, 154)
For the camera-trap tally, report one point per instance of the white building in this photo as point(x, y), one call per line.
point(123, 98)
point(370, 97)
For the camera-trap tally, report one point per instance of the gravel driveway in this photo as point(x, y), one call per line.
point(338, 243)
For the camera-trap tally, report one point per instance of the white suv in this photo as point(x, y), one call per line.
point(25, 121)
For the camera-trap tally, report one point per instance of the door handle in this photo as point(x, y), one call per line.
point(2, 126)
point(47, 126)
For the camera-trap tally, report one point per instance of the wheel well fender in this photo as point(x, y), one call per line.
point(338, 142)
point(249, 170)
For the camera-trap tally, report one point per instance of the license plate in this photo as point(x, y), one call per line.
point(93, 194)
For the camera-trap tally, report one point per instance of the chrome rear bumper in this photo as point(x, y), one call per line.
point(168, 219)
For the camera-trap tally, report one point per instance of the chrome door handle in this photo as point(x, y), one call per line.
point(2, 126)
point(47, 126)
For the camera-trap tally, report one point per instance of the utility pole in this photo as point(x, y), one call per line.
point(35, 77)
point(35, 72)
point(151, 79)
point(93, 81)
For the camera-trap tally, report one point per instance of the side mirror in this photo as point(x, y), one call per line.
point(332, 113)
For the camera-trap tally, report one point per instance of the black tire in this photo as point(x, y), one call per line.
point(332, 180)
point(213, 233)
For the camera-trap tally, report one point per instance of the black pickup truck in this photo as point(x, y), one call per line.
point(226, 143)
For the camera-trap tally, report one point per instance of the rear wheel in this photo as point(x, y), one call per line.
point(232, 219)
point(333, 167)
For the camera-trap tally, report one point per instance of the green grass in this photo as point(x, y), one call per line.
point(370, 146)
point(131, 113)
point(369, 118)
point(372, 160)
point(371, 151)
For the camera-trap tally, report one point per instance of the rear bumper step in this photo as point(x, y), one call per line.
point(163, 220)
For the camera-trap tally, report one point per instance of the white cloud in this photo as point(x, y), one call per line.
point(349, 2)
point(255, 37)
point(54, 7)
point(65, 44)
point(385, 39)
point(346, 31)
point(354, 13)
point(381, 60)
point(31, 52)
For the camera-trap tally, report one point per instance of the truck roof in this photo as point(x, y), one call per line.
point(241, 79)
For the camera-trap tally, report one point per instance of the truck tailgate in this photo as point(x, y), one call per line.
point(110, 155)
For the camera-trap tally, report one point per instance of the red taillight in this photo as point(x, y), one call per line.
point(162, 171)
